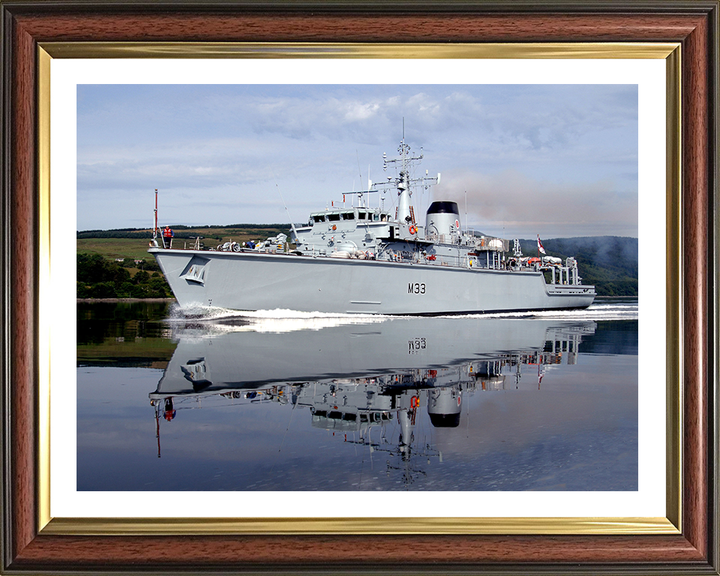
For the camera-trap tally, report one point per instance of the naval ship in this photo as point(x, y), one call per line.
point(366, 260)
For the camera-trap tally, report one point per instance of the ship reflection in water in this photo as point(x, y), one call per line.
point(449, 404)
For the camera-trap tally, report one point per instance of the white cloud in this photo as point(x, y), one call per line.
point(236, 144)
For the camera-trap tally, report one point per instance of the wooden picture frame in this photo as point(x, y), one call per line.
point(29, 547)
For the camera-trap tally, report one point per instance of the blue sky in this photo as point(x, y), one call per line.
point(554, 160)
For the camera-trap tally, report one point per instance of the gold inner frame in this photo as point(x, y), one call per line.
point(671, 524)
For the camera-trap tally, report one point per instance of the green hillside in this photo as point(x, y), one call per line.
point(608, 262)
point(113, 248)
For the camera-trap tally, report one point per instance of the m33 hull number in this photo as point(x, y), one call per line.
point(416, 345)
point(416, 288)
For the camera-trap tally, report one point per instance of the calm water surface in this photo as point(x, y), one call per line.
point(168, 401)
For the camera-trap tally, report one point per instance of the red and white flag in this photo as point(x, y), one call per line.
point(540, 246)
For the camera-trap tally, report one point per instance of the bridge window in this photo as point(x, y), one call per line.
point(333, 217)
point(348, 216)
point(362, 215)
point(320, 218)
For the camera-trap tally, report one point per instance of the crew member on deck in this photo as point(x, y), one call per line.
point(169, 409)
point(167, 237)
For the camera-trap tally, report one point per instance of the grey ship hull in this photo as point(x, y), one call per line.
point(246, 359)
point(260, 281)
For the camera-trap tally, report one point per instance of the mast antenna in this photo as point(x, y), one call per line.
point(466, 220)
point(292, 225)
point(357, 155)
point(403, 181)
point(156, 215)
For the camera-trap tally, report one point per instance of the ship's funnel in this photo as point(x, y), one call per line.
point(443, 219)
point(444, 407)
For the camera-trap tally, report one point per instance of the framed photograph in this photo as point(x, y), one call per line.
point(645, 499)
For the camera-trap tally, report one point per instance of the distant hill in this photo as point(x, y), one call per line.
point(608, 262)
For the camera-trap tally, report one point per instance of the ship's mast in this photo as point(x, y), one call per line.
point(155, 229)
point(403, 182)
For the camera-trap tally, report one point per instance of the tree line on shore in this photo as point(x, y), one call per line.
point(610, 263)
point(209, 232)
point(99, 277)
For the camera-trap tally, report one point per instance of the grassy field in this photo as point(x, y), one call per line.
point(112, 350)
point(113, 248)
point(136, 248)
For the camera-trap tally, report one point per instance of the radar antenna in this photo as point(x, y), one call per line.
point(403, 182)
